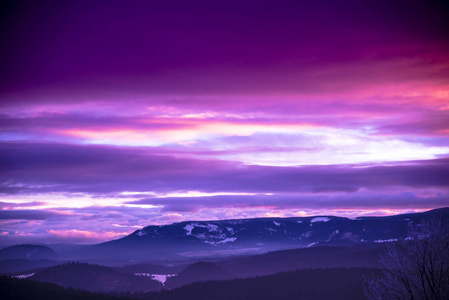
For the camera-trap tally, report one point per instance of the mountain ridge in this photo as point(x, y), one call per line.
point(189, 239)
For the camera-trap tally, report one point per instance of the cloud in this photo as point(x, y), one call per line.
point(180, 49)
point(43, 168)
point(308, 106)
point(18, 214)
point(425, 123)
point(293, 131)
point(9, 205)
point(291, 202)
point(74, 235)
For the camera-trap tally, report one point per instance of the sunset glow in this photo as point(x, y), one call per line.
point(205, 113)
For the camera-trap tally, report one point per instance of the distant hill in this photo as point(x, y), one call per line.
point(194, 239)
point(151, 268)
point(361, 255)
point(200, 271)
point(321, 284)
point(21, 265)
point(76, 275)
point(305, 258)
point(30, 252)
point(95, 278)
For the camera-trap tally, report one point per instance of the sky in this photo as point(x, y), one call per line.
point(115, 115)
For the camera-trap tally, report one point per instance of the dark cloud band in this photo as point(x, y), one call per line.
point(41, 168)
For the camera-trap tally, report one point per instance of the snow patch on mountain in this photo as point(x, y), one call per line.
point(213, 236)
point(141, 232)
point(351, 236)
point(23, 276)
point(227, 240)
point(320, 219)
point(230, 230)
point(276, 223)
point(333, 234)
point(386, 241)
point(210, 227)
point(162, 278)
point(30, 253)
point(306, 234)
point(188, 228)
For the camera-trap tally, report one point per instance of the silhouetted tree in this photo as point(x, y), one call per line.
point(417, 268)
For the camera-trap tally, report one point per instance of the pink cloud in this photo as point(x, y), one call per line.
point(341, 104)
point(74, 235)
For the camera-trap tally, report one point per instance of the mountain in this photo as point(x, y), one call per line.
point(30, 252)
point(20, 258)
point(95, 278)
point(195, 239)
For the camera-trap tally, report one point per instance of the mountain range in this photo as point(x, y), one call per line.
point(219, 256)
point(194, 239)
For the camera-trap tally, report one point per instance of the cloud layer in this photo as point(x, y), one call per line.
point(118, 115)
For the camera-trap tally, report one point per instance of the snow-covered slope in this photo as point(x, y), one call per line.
point(227, 237)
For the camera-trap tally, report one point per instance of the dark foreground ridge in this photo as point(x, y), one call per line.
point(320, 284)
point(22, 289)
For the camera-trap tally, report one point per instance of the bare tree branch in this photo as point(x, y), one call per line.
point(416, 268)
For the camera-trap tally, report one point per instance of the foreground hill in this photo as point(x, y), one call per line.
point(22, 289)
point(95, 278)
point(321, 284)
point(235, 237)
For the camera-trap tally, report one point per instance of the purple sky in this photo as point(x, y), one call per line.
point(115, 115)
